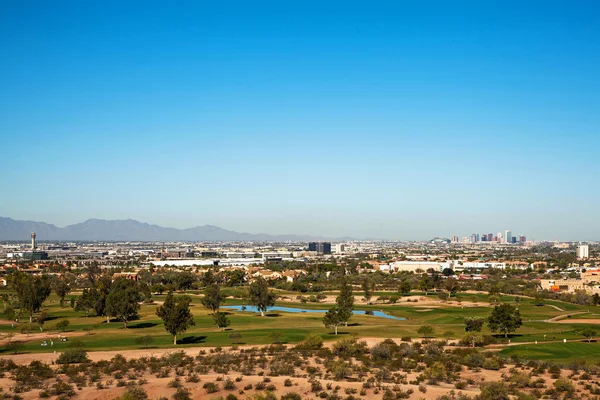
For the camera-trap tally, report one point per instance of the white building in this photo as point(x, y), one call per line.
point(339, 248)
point(583, 251)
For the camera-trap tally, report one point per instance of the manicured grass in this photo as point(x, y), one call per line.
point(447, 320)
point(557, 352)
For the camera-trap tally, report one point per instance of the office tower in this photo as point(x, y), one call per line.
point(513, 239)
point(490, 237)
point(522, 239)
point(583, 251)
point(500, 237)
point(473, 239)
point(454, 239)
point(477, 238)
point(340, 248)
point(320, 247)
point(484, 237)
point(507, 236)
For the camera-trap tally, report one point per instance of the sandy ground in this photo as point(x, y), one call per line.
point(577, 321)
point(137, 353)
point(157, 387)
point(39, 337)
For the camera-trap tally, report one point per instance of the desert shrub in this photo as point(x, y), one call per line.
point(134, 393)
point(493, 363)
point(228, 384)
point(210, 387)
point(61, 388)
point(436, 373)
point(563, 385)
point(311, 342)
point(288, 382)
point(494, 391)
point(182, 394)
point(72, 356)
point(291, 396)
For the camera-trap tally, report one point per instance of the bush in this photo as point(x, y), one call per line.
point(563, 385)
point(210, 387)
point(493, 363)
point(72, 356)
point(134, 393)
point(311, 342)
point(494, 391)
point(182, 394)
point(228, 384)
point(291, 396)
point(425, 331)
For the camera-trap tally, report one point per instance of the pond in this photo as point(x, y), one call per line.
point(380, 314)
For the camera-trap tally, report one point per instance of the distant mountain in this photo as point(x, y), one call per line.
point(131, 230)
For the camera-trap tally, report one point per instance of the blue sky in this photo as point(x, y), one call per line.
point(399, 119)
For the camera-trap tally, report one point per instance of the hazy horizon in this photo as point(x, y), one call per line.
point(390, 120)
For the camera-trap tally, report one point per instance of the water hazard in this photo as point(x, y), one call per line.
point(380, 314)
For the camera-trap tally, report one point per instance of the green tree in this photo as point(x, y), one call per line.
point(345, 302)
point(62, 288)
point(425, 284)
point(213, 298)
point(505, 318)
point(62, 325)
point(87, 301)
point(260, 296)
point(31, 291)
point(333, 318)
point(41, 318)
point(235, 337)
point(123, 300)
point(473, 324)
point(368, 286)
point(404, 288)
point(176, 315)
point(425, 331)
point(452, 286)
point(220, 319)
point(275, 337)
point(588, 333)
point(145, 341)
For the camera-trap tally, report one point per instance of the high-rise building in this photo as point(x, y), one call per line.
point(490, 237)
point(507, 236)
point(340, 248)
point(320, 247)
point(477, 238)
point(522, 239)
point(454, 239)
point(500, 237)
point(484, 237)
point(473, 238)
point(583, 251)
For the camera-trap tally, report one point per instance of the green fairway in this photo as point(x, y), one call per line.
point(446, 319)
point(557, 352)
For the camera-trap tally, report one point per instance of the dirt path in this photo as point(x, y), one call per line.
point(563, 316)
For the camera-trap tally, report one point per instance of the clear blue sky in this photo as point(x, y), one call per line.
point(399, 119)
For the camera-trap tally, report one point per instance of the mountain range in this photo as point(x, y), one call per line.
point(132, 230)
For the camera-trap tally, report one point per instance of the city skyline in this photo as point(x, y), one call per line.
point(397, 120)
